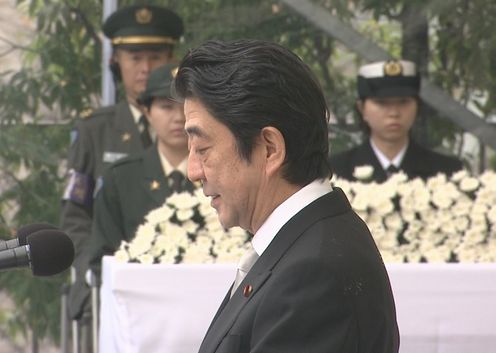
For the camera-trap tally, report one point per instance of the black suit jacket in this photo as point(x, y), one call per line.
point(417, 162)
point(319, 287)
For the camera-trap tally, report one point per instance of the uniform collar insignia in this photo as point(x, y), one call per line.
point(126, 137)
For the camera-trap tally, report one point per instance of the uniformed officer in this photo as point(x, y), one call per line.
point(136, 185)
point(143, 38)
point(388, 104)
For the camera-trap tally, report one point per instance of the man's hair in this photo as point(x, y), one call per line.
point(251, 84)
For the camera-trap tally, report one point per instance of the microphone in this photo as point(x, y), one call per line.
point(22, 233)
point(47, 252)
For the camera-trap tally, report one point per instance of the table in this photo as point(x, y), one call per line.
point(441, 308)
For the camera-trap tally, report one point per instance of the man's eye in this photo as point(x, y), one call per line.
point(201, 151)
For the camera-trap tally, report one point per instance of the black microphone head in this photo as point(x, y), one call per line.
point(27, 230)
point(51, 251)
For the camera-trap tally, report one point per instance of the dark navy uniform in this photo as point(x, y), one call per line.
point(417, 162)
point(383, 80)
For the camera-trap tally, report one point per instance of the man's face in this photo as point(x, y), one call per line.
point(167, 119)
point(234, 184)
point(389, 119)
point(136, 66)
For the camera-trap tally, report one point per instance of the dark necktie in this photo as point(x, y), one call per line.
point(146, 140)
point(391, 170)
point(176, 181)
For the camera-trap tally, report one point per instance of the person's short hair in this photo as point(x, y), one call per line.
point(392, 78)
point(251, 84)
point(158, 84)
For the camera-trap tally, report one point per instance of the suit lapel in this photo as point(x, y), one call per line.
point(331, 204)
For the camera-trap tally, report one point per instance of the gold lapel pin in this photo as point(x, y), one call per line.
point(126, 137)
point(154, 185)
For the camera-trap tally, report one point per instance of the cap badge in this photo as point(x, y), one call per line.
point(392, 68)
point(154, 185)
point(143, 16)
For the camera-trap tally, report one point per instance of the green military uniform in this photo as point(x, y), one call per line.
point(131, 188)
point(102, 138)
point(108, 134)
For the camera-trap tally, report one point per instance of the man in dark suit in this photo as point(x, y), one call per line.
point(314, 281)
point(133, 186)
point(143, 37)
point(388, 104)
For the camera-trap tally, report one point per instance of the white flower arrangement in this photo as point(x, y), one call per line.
point(438, 220)
point(185, 229)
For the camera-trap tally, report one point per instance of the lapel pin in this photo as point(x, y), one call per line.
point(247, 290)
point(154, 185)
point(126, 137)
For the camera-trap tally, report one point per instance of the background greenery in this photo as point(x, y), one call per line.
point(453, 42)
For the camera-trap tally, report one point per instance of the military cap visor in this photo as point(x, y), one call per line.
point(159, 83)
point(143, 25)
point(388, 79)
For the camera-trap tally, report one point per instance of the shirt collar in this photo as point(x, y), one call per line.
point(135, 112)
point(385, 162)
point(168, 168)
point(286, 210)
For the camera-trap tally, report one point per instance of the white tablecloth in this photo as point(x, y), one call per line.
point(444, 308)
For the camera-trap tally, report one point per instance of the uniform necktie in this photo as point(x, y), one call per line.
point(244, 265)
point(176, 181)
point(391, 170)
point(146, 140)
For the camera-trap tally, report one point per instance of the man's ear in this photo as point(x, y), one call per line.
point(275, 149)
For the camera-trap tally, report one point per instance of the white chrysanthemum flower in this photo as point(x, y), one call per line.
point(437, 254)
point(183, 200)
point(184, 214)
point(461, 207)
point(363, 172)
point(491, 215)
point(190, 227)
point(197, 253)
point(178, 235)
point(394, 222)
point(145, 259)
point(392, 257)
point(145, 232)
point(473, 237)
point(385, 207)
point(158, 215)
point(461, 223)
point(456, 177)
point(469, 184)
point(488, 179)
point(121, 256)
point(138, 246)
point(437, 181)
